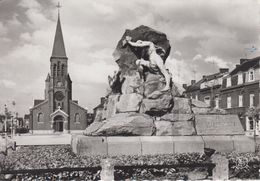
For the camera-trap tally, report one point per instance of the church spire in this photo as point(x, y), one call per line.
point(58, 45)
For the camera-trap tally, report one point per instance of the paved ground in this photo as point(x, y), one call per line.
point(43, 139)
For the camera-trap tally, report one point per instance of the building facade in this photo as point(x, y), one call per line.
point(240, 93)
point(57, 112)
point(237, 92)
point(207, 89)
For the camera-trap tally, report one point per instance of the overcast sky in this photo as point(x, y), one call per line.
point(204, 35)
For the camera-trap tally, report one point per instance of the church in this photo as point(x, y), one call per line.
point(57, 113)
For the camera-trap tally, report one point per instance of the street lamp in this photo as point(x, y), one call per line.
point(5, 109)
point(211, 86)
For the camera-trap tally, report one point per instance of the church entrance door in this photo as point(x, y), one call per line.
point(58, 123)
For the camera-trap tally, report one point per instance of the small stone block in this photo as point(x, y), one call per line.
point(107, 171)
point(129, 103)
point(218, 125)
point(219, 143)
point(197, 103)
point(220, 172)
point(177, 117)
point(152, 145)
point(181, 106)
point(124, 145)
point(87, 145)
point(243, 144)
point(188, 144)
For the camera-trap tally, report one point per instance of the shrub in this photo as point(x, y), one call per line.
point(21, 130)
point(242, 165)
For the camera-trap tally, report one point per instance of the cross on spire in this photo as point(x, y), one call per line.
point(58, 6)
point(58, 46)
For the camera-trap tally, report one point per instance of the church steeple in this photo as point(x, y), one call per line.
point(58, 45)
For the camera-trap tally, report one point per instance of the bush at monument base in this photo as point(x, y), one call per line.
point(36, 157)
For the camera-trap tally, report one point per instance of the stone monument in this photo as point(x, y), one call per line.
point(142, 90)
point(145, 105)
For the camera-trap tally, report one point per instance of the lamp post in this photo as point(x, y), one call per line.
point(211, 86)
point(13, 117)
point(5, 127)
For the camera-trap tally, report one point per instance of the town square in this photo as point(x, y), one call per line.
point(129, 90)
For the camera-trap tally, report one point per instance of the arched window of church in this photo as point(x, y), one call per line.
point(40, 117)
point(54, 69)
point(62, 70)
point(76, 119)
point(58, 72)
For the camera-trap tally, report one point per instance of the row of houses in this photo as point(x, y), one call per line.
point(236, 91)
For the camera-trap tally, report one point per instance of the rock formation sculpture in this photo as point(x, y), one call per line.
point(143, 100)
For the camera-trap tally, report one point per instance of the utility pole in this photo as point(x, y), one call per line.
point(13, 117)
point(212, 87)
point(195, 72)
point(6, 127)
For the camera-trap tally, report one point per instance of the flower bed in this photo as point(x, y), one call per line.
point(48, 157)
point(45, 157)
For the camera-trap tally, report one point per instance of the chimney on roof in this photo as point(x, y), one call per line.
point(243, 60)
point(203, 76)
point(193, 82)
point(237, 65)
point(223, 70)
point(184, 86)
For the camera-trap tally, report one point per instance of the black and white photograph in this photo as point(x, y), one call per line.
point(129, 90)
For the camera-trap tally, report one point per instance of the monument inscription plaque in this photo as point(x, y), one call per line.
point(218, 125)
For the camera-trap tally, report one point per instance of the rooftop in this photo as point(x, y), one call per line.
point(246, 65)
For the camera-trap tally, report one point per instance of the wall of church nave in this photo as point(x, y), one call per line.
point(78, 117)
point(41, 117)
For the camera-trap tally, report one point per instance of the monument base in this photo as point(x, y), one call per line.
point(153, 145)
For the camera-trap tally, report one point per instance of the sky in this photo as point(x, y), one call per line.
point(204, 36)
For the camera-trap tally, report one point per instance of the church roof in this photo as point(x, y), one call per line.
point(37, 101)
point(68, 78)
point(58, 45)
point(59, 112)
point(48, 78)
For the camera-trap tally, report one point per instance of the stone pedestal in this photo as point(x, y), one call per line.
point(220, 172)
point(107, 172)
point(66, 127)
point(136, 145)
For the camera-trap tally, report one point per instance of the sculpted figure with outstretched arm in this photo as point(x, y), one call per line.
point(154, 59)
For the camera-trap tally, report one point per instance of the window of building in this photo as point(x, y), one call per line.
point(240, 78)
point(229, 102)
point(228, 81)
point(251, 100)
point(240, 101)
point(251, 75)
point(244, 77)
point(217, 101)
point(54, 70)
point(234, 80)
point(207, 100)
point(62, 70)
point(224, 83)
point(58, 69)
point(40, 117)
point(251, 124)
point(76, 119)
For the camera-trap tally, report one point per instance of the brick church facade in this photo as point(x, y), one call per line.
point(58, 113)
